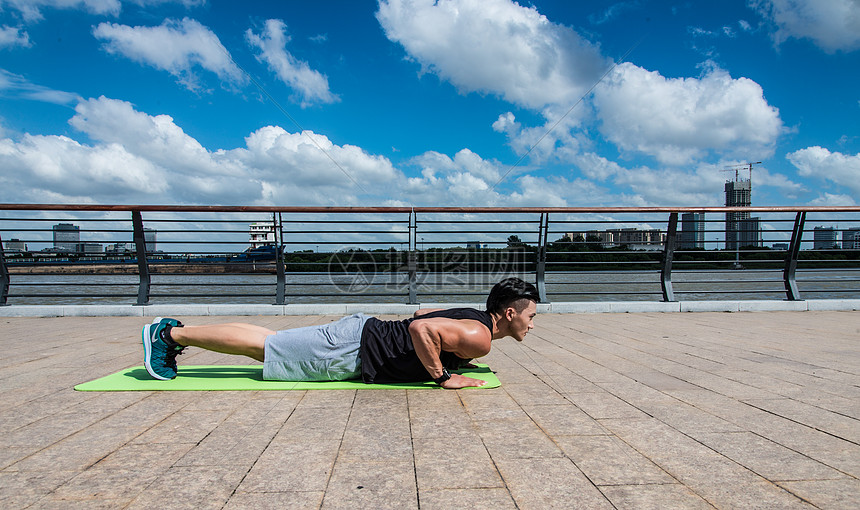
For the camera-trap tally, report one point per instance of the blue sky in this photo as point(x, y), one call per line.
point(424, 103)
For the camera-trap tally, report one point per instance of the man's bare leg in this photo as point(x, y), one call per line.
point(231, 338)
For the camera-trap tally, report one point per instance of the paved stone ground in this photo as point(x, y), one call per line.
point(692, 410)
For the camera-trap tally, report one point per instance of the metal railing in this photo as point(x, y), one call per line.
point(54, 253)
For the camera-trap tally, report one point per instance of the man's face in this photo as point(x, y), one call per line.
point(522, 322)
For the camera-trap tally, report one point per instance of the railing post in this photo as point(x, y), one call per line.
point(668, 255)
point(281, 292)
point(4, 276)
point(412, 259)
point(789, 273)
point(540, 276)
point(142, 265)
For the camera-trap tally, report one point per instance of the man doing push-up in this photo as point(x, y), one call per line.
point(426, 347)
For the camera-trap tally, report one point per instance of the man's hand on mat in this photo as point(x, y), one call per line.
point(461, 381)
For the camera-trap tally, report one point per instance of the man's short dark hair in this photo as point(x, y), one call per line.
point(508, 292)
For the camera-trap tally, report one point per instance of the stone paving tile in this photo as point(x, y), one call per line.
point(516, 439)
point(768, 459)
point(364, 484)
point(184, 487)
point(654, 497)
point(293, 500)
point(843, 427)
point(716, 478)
point(564, 420)
point(827, 494)
point(292, 467)
point(460, 462)
point(610, 461)
point(20, 489)
point(550, 483)
point(474, 499)
point(108, 480)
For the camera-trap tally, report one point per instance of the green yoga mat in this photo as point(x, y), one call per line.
point(250, 378)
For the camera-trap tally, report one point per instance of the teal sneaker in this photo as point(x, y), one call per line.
point(159, 351)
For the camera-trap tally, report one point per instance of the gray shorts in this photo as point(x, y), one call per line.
point(328, 352)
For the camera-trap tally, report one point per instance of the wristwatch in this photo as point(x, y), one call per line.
point(444, 377)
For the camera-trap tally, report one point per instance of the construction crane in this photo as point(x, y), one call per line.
point(737, 168)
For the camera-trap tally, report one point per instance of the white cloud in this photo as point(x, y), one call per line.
point(19, 86)
point(500, 47)
point(833, 25)
point(141, 158)
point(677, 120)
point(31, 10)
point(13, 36)
point(841, 169)
point(831, 200)
point(157, 138)
point(495, 46)
point(66, 168)
point(177, 47)
point(464, 162)
point(311, 86)
point(298, 160)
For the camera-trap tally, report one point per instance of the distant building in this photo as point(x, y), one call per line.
point(15, 245)
point(741, 229)
point(262, 234)
point(749, 233)
point(149, 239)
point(780, 246)
point(824, 238)
point(692, 231)
point(477, 245)
point(851, 239)
point(633, 238)
point(119, 248)
point(66, 237)
point(89, 248)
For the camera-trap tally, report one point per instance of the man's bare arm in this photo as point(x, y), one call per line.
point(465, 338)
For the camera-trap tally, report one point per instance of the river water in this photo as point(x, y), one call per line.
point(436, 288)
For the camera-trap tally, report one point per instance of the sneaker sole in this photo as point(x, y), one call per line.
point(147, 352)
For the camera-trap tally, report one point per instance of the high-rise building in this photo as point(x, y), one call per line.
point(741, 229)
point(149, 236)
point(66, 237)
point(851, 239)
point(824, 238)
point(692, 231)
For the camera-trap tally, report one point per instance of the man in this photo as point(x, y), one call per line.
point(424, 347)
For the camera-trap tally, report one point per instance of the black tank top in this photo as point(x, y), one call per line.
point(387, 353)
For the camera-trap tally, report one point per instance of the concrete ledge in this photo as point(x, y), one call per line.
point(772, 306)
point(710, 306)
point(315, 309)
point(833, 304)
point(643, 306)
point(102, 311)
point(381, 309)
point(32, 311)
point(580, 307)
point(246, 309)
point(174, 310)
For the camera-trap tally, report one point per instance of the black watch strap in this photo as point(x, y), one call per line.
point(444, 377)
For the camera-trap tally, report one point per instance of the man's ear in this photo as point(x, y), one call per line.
point(510, 312)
